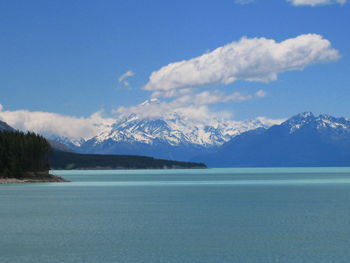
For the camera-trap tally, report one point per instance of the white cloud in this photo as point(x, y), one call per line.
point(162, 109)
point(260, 93)
point(255, 59)
point(210, 97)
point(126, 75)
point(123, 78)
point(244, 2)
point(270, 122)
point(47, 123)
point(300, 2)
point(316, 2)
point(192, 105)
point(170, 93)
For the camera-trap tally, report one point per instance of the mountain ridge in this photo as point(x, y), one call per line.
point(174, 137)
point(171, 136)
point(5, 127)
point(302, 140)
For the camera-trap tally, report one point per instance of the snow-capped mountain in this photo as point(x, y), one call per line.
point(323, 123)
point(303, 140)
point(72, 143)
point(172, 136)
point(175, 130)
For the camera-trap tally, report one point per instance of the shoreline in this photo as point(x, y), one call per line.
point(34, 177)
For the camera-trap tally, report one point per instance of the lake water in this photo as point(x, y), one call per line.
point(215, 215)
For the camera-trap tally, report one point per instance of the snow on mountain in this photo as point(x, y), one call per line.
point(131, 133)
point(303, 140)
point(171, 136)
point(322, 123)
point(175, 129)
point(72, 143)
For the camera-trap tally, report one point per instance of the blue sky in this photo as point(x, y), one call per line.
point(66, 57)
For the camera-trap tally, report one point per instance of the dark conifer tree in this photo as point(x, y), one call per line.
point(22, 152)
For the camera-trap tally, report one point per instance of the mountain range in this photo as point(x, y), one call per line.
point(62, 157)
point(172, 136)
point(302, 140)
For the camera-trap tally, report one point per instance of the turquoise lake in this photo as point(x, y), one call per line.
point(205, 216)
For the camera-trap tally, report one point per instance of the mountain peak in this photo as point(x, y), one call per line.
point(303, 140)
point(305, 114)
point(322, 122)
point(173, 129)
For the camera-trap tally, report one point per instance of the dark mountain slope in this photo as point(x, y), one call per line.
point(5, 127)
point(303, 140)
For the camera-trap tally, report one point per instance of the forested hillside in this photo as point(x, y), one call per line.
point(22, 152)
point(68, 160)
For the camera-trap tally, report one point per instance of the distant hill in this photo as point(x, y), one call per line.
point(5, 127)
point(68, 160)
point(303, 140)
point(59, 146)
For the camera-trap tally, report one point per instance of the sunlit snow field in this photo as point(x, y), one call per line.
point(212, 215)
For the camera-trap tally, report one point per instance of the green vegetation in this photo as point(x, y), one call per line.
point(22, 152)
point(68, 161)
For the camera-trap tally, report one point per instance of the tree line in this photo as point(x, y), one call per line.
point(22, 152)
point(68, 160)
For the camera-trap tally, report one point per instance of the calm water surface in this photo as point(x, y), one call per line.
point(207, 216)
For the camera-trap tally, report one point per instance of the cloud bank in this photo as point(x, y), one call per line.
point(244, 2)
point(48, 123)
point(300, 2)
point(250, 59)
point(192, 105)
point(316, 2)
